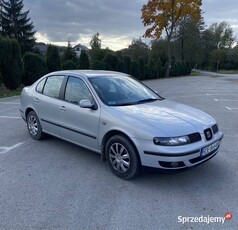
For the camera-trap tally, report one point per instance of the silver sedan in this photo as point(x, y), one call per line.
point(115, 115)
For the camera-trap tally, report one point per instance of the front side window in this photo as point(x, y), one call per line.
point(53, 85)
point(76, 90)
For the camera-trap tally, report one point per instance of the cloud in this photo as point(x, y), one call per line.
point(117, 21)
point(220, 10)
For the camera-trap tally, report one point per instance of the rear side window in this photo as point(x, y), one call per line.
point(53, 85)
point(40, 86)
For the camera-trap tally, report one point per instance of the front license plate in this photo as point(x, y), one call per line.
point(208, 149)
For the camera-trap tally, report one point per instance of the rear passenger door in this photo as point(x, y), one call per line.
point(79, 125)
point(47, 103)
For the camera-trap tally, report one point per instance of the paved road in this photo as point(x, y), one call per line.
point(52, 184)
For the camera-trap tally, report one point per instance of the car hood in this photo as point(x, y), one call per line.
point(170, 117)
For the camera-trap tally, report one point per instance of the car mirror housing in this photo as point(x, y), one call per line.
point(85, 103)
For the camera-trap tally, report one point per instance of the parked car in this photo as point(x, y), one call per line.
point(117, 116)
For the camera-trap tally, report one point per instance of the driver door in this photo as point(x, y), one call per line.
point(79, 125)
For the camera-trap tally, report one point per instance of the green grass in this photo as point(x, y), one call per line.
point(228, 71)
point(4, 92)
point(194, 73)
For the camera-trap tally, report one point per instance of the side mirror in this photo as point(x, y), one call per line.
point(85, 103)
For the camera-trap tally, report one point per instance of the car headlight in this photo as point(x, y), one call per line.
point(171, 141)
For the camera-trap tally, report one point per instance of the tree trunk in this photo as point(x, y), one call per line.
point(169, 58)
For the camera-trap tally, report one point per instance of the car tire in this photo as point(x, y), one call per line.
point(122, 157)
point(34, 126)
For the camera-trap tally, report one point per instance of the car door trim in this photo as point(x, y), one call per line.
point(70, 129)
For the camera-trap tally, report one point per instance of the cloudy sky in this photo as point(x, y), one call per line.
point(117, 21)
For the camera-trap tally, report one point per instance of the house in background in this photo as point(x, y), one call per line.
point(42, 47)
point(79, 48)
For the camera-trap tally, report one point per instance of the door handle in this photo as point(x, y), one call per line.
point(62, 108)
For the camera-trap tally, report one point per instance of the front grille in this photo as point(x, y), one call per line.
point(194, 137)
point(215, 128)
point(208, 134)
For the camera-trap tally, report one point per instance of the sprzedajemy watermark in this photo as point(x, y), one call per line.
point(204, 219)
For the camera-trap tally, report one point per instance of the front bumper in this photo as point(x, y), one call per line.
point(179, 157)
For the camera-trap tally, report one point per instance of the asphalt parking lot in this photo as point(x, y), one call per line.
point(52, 184)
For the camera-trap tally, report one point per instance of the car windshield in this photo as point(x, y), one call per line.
point(122, 90)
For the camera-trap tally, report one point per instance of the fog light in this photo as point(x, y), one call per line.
point(174, 164)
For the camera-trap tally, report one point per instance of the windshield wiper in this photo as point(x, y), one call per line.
point(125, 104)
point(136, 102)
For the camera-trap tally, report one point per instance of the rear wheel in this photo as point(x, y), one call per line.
point(34, 126)
point(122, 157)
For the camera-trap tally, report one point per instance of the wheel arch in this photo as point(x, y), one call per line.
point(107, 136)
point(28, 110)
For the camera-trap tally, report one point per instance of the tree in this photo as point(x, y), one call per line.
point(222, 35)
point(151, 65)
point(218, 59)
point(52, 58)
point(69, 65)
point(83, 60)
point(135, 71)
point(10, 62)
point(232, 58)
point(187, 44)
point(217, 36)
point(111, 62)
point(141, 68)
point(138, 49)
point(162, 15)
point(95, 42)
point(34, 68)
point(127, 61)
point(16, 24)
point(158, 50)
point(159, 69)
point(98, 65)
point(69, 54)
point(122, 66)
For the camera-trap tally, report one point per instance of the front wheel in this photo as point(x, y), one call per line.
point(122, 157)
point(34, 126)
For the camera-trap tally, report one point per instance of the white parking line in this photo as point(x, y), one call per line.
point(9, 103)
point(9, 117)
point(224, 100)
point(231, 108)
point(217, 94)
point(4, 150)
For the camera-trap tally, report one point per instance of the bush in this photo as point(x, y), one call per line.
point(69, 65)
point(141, 68)
point(159, 69)
point(52, 58)
point(152, 68)
point(83, 60)
point(127, 61)
point(147, 72)
point(10, 63)
point(34, 68)
point(111, 62)
point(135, 70)
point(98, 65)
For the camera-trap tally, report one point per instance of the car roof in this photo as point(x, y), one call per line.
point(89, 73)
